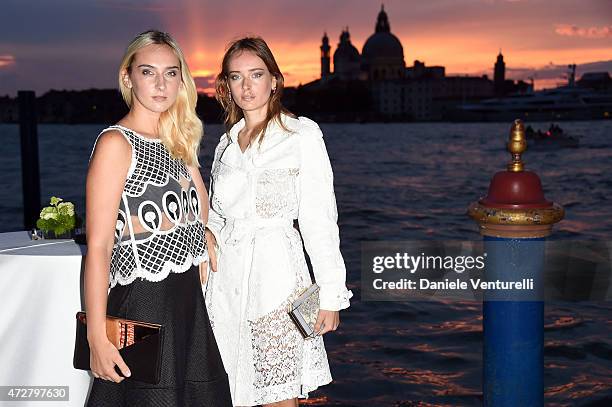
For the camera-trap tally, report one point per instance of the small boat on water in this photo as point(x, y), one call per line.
point(555, 136)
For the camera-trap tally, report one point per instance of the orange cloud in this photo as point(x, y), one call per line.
point(6, 60)
point(590, 32)
point(202, 73)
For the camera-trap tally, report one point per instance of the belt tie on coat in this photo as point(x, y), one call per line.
point(243, 235)
point(236, 230)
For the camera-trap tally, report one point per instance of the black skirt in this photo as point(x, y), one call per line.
point(192, 372)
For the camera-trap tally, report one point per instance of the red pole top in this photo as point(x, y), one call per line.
point(516, 188)
point(515, 204)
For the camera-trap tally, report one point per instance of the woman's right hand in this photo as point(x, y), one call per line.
point(211, 244)
point(103, 358)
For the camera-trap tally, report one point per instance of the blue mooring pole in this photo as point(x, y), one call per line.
point(514, 219)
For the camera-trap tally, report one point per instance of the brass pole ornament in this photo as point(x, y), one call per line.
point(517, 144)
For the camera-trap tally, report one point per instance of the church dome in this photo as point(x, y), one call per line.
point(346, 51)
point(382, 45)
point(347, 61)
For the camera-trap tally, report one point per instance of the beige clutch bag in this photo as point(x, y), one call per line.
point(304, 311)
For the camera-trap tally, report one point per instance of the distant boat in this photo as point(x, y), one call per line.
point(554, 137)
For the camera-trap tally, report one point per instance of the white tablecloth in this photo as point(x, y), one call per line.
point(40, 293)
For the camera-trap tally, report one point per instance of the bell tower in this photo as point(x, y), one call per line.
point(325, 60)
point(499, 75)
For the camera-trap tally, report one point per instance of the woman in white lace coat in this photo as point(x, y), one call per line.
point(270, 169)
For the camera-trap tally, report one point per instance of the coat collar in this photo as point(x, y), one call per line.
point(233, 133)
point(273, 127)
point(234, 157)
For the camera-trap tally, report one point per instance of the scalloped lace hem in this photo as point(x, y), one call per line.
point(168, 267)
point(272, 394)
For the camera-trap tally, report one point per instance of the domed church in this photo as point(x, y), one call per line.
point(393, 90)
point(382, 57)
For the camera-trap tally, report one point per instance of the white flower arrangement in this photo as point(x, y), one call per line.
point(58, 218)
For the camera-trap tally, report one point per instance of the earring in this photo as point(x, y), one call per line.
point(230, 96)
point(273, 90)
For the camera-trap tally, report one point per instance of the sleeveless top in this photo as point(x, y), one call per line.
point(159, 229)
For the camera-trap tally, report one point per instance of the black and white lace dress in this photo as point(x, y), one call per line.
point(154, 277)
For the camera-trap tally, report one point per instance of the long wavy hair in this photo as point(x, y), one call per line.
point(233, 113)
point(179, 127)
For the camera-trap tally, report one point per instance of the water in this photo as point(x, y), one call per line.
point(409, 182)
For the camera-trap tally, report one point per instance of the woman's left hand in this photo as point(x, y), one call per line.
point(327, 321)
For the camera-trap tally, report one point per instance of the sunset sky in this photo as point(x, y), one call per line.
point(78, 44)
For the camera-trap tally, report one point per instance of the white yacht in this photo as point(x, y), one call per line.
point(570, 102)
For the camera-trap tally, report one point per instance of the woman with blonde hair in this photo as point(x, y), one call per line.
point(270, 169)
point(145, 216)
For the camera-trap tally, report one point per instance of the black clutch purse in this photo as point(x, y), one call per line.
point(139, 343)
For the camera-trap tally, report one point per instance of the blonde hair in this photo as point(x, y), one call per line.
point(179, 127)
point(233, 113)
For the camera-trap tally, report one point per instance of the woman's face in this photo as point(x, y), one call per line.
point(250, 82)
point(155, 77)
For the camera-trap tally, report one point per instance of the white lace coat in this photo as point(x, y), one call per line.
point(255, 197)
